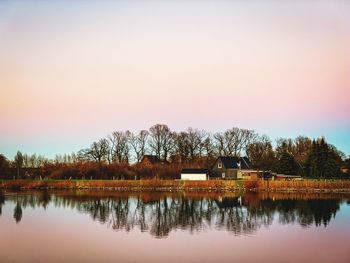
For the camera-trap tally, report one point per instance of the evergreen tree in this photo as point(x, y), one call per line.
point(19, 163)
point(286, 164)
point(4, 165)
point(323, 161)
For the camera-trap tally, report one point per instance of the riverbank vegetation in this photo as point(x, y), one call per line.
point(311, 185)
point(119, 156)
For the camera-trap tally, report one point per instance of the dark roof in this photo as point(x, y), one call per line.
point(232, 162)
point(194, 171)
point(245, 163)
point(152, 158)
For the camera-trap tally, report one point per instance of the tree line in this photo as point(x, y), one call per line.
point(118, 155)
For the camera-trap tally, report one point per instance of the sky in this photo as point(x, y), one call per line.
point(71, 72)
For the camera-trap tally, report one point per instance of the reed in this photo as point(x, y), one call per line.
point(166, 185)
point(318, 184)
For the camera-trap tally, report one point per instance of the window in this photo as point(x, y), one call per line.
point(223, 175)
point(219, 165)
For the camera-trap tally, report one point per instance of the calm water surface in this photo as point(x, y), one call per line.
point(94, 226)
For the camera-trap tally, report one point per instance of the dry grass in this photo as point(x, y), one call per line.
point(166, 185)
point(306, 184)
point(120, 184)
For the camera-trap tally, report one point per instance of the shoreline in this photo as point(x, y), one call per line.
point(303, 186)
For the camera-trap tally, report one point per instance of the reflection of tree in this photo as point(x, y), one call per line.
point(160, 213)
point(140, 215)
point(98, 209)
point(44, 198)
point(304, 212)
point(320, 211)
point(17, 213)
point(2, 201)
point(161, 218)
point(120, 214)
point(241, 219)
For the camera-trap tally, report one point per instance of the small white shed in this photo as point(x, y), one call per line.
point(194, 174)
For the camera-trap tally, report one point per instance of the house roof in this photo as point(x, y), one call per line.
point(245, 163)
point(232, 162)
point(194, 171)
point(152, 159)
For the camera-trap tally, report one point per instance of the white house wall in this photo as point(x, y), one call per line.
point(200, 177)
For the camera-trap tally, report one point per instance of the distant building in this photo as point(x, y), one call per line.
point(226, 167)
point(344, 169)
point(151, 160)
point(195, 174)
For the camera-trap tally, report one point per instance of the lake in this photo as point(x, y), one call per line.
point(108, 226)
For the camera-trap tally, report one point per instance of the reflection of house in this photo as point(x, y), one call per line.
point(228, 202)
point(227, 167)
point(150, 160)
point(194, 174)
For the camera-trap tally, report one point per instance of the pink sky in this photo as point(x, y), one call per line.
point(71, 73)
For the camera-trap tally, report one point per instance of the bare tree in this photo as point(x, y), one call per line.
point(32, 160)
point(181, 148)
point(74, 158)
point(39, 161)
point(261, 153)
point(234, 141)
point(119, 146)
point(168, 145)
point(208, 146)
point(161, 140)
point(248, 138)
point(98, 152)
point(138, 143)
point(219, 144)
point(303, 146)
point(26, 160)
point(194, 141)
point(284, 145)
point(299, 148)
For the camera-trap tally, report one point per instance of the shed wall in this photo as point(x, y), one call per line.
point(200, 177)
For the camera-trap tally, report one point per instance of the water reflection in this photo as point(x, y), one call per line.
point(17, 213)
point(160, 213)
point(2, 201)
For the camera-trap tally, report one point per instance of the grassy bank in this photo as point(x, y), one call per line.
point(120, 185)
point(177, 185)
point(305, 185)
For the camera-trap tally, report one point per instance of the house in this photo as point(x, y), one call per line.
point(226, 167)
point(194, 174)
point(249, 174)
point(151, 160)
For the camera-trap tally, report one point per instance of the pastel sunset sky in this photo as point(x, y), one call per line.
point(71, 72)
